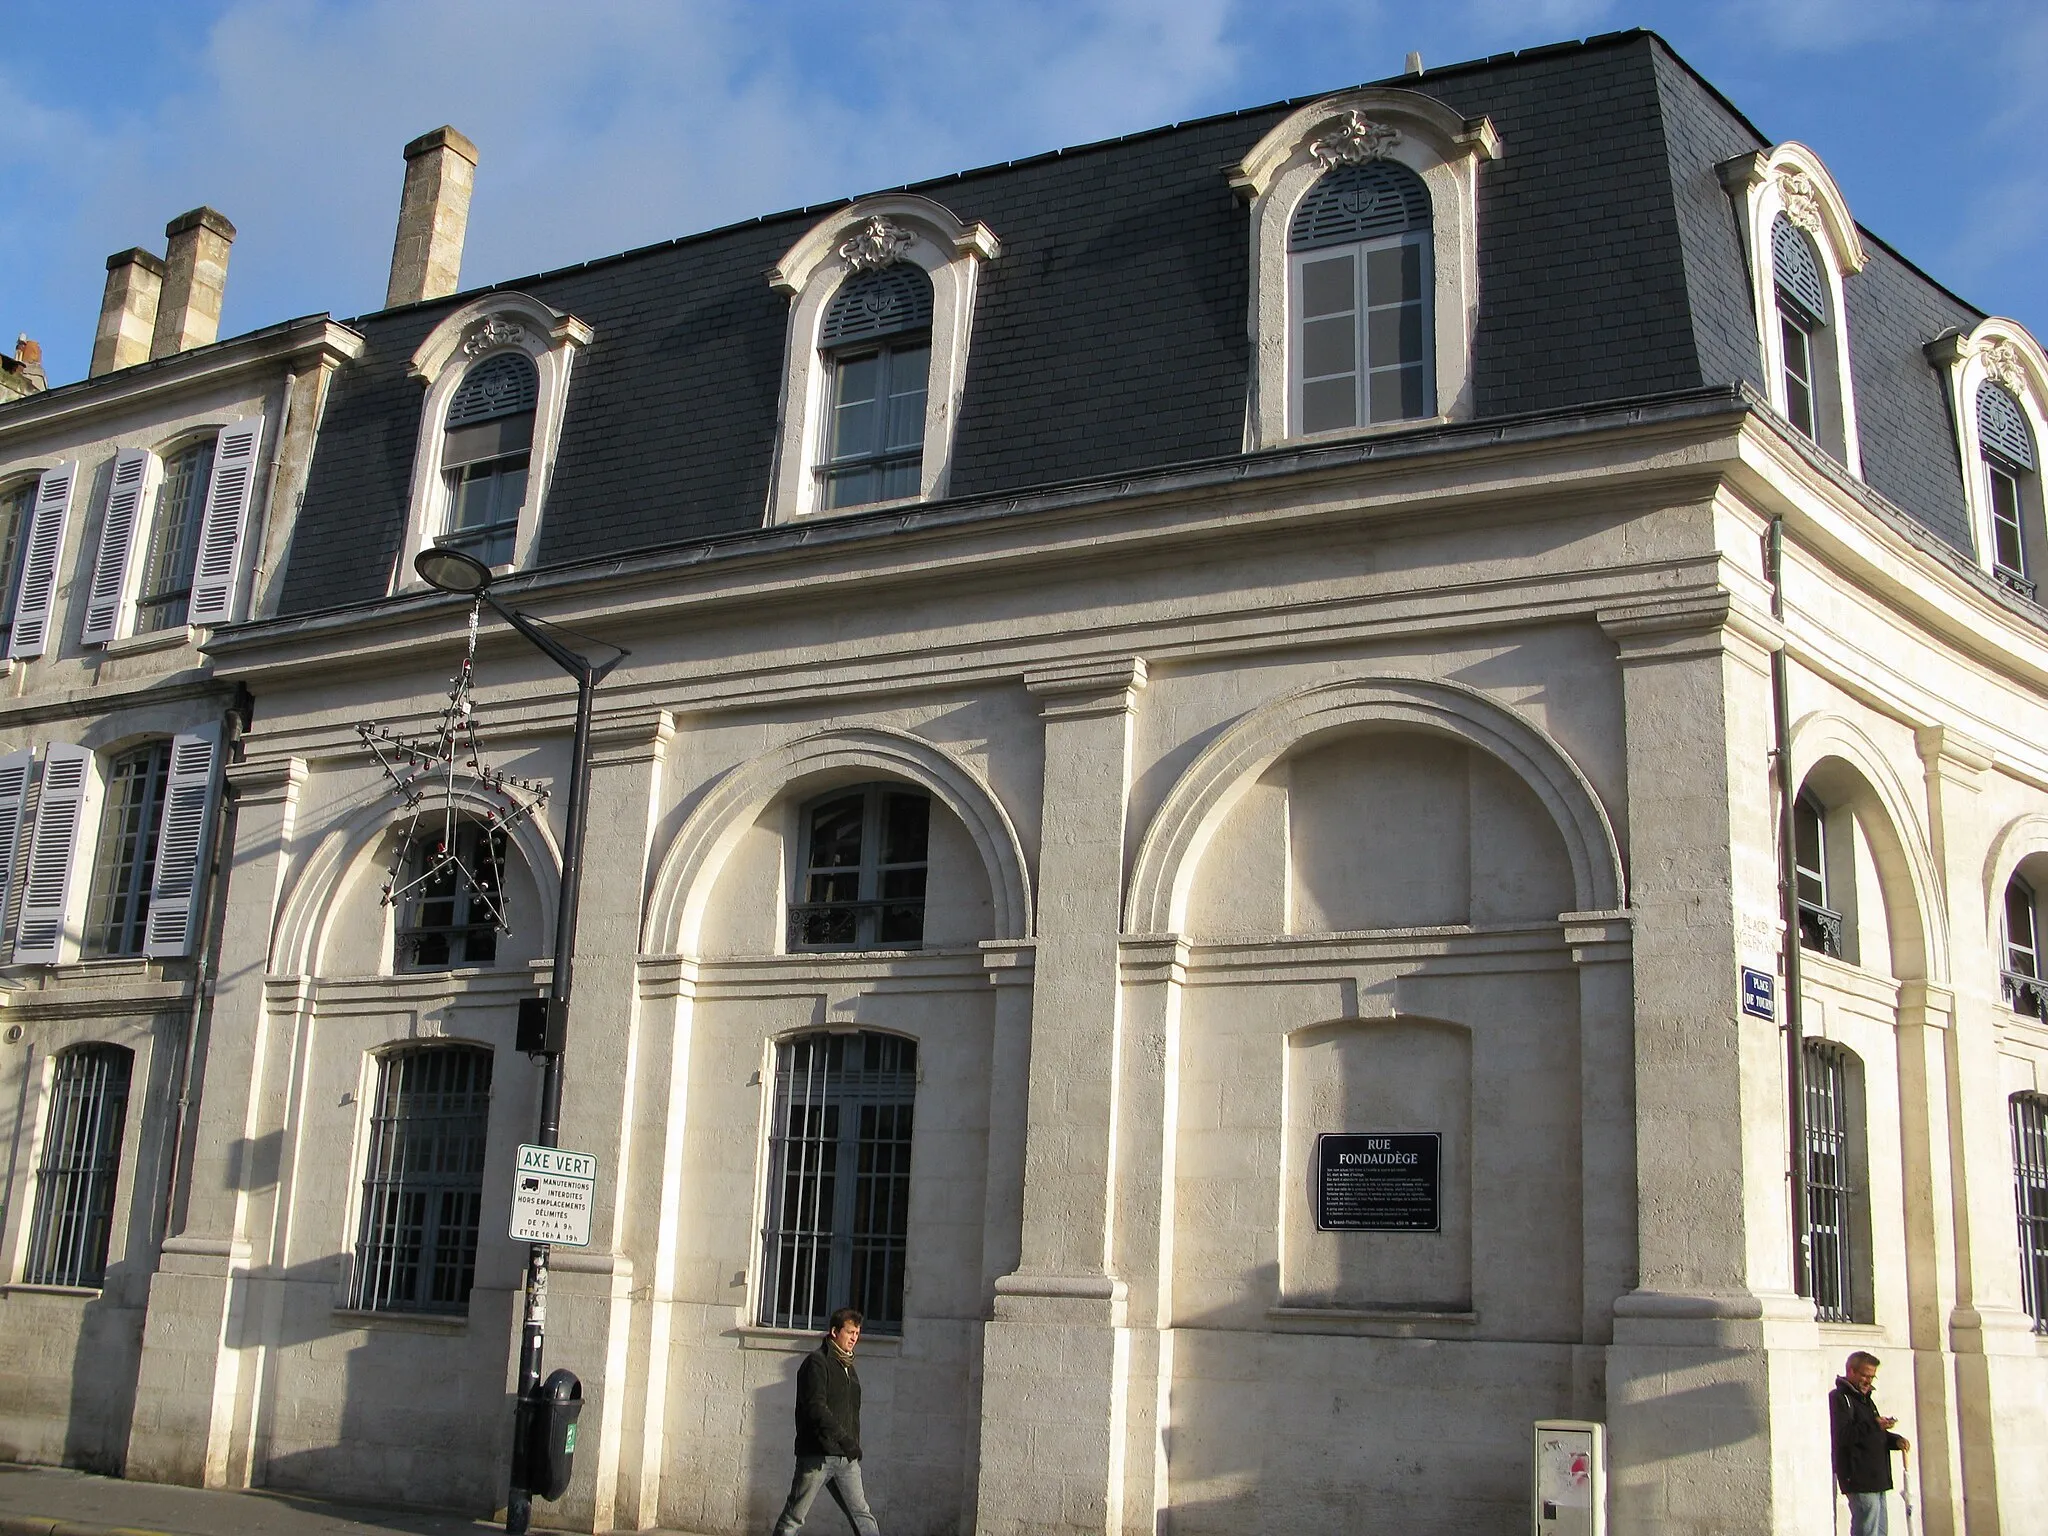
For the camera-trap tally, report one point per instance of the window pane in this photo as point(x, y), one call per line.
point(1798, 374)
point(896, 480)
point(1806, 851)
point(852, 487)
point(1328, 405)
point(124, 858)
point(908, 369)
point(15, 507)
point(854, 417)
point(906, 828)
point(2020, 953)
point(1393, 275)
point(2005, 521)
point(1329, 347)
point(1397, 393)
point(835, 833)
point(1329, 286)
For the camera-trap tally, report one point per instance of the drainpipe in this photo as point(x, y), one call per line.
point(1788, 901)
point(213, 915)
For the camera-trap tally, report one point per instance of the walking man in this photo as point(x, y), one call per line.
point(1863, 1445)
point(828, 1431)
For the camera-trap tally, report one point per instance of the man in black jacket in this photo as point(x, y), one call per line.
point(1863, 1445)
point(828, 1431)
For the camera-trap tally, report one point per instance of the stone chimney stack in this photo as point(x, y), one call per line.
point(433, 216)
point(195, 276)
point(135, 281)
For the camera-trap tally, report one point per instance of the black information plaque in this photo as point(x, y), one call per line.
point(1378, 1183)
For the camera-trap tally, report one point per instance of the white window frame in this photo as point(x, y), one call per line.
point(1790, 179)
point(910, 228)
point(2002, 352)
point(498, 322)
point(1441, 146)
point(1359, 250)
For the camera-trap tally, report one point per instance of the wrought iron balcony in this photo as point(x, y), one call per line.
point(1820, 929)
point(894, 924)
point(2026, 994)
point(2013, 581)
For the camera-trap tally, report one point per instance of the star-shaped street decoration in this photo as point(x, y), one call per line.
point(432, 860)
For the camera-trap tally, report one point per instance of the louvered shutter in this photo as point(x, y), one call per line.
point(219, 565)
point(53, 855)
point(38, 594)
point(181, 846)
point(135, 477)
point(15, 768)
point(2002, 426)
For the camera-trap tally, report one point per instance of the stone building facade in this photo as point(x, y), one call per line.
point(1140, 660)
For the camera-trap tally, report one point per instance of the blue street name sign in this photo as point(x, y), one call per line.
point(1759, 993)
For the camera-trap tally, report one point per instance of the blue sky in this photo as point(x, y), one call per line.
point(612, 123)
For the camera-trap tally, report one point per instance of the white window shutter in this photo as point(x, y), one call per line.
point(181, 845)
point(220, 532)
point(106, 609)
point(38, 595)
point(53, 856)
point(15, 769)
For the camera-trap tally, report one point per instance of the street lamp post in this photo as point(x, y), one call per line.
point(450, 570)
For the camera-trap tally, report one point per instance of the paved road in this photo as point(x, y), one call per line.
point(46, 1501)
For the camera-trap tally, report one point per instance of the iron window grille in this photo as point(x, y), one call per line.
point(74, 1212)
point(1830, 1188)
point(16, 503)
point(877, 335)
point(2030, 1194)
point(865, 867)
point(165, 600)
point(423, 1182)
point(839, 1180)
point(1360, 278)
point(450, 918)
point(124, 858)
point(1820, 925)
point(486, 455)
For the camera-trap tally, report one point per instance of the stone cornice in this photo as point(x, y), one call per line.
point(1084, 689)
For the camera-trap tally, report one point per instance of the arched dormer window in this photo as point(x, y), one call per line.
point(1997, 380)
point(881, 313)
point(1802, 246)
point(1359, 291)
point(877, 342)
point(485, 455)
point(497, 379)
point(1365, 263)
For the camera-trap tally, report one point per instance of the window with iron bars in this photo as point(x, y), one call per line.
point(2030, 1194)
point(1831, 1191)
point(839, 1180)
point(423, 1182)
point(862, 884)
point(74, 1213)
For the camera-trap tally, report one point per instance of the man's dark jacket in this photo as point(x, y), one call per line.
point(1863, 1447)
point(828, 1406)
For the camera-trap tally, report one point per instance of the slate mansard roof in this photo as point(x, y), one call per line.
point(1110, 336)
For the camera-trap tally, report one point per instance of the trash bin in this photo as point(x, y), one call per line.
point(551, 1416)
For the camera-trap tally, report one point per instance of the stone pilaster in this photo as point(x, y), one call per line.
point(190, 1391)
point(1975, 1356)
point(1712, 1423)
point(615, 1086)
point(1056, 1356)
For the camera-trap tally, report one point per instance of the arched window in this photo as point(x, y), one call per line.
point(2030, 1194)
point(423, 1180)
point(1359, 288)
point(485, 455)
point(2010, 472)
point(165, 598)
point(81, 1162)
point(2020, 977)
point(451, 904)
point(124, 857)
point(1837, 1220)
point(876, 339)
point(1805, 357)
point(838, 1180)
point(862, 881)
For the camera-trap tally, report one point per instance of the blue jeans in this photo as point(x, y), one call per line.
point(842, 1475)
point(1866, 1513)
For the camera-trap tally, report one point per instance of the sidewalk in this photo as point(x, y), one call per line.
point(48, 1501)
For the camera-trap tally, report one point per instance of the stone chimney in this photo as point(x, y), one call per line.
point(22, 374)
point(195, 275)
point(135, 281)
point(433, 216)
